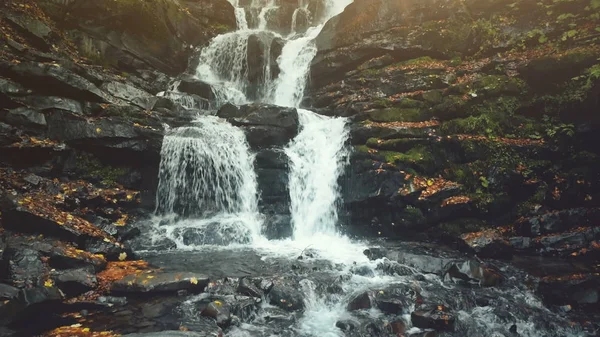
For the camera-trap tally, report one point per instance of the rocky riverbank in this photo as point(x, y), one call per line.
point(474, 124)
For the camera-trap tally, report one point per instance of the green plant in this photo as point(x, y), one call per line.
point(555, 128)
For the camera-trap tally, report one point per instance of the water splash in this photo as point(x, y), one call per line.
point(206, 169)
point(317, 157)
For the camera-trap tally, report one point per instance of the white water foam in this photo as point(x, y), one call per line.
point(207, 170)
point(317, 157)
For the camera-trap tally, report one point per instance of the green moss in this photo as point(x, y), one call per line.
point(433, 96)
point(361, 148)
point(397, 115)
point(451, 107)
point(475, 125)
point(91, 168)
point(413, 215)
point(493, 85)
point(409, 103)
point(462, 226)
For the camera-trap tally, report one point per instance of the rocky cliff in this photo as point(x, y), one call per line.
point(468, 116)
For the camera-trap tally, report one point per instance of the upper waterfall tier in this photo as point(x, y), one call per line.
point(267, 59)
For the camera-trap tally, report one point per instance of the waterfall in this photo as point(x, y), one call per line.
point(206, 171)
point(317, 156)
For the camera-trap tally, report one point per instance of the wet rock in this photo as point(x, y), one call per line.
point(174, 334)
point(4, 332)
point(61, 255)
point(47, 103)
point(7, 292)
point(433, 317)
point(160, 283)
point(394, 300)
point(570, 289)
point(25, 267)
point(36, 28)
point(361, 301)
point(131, 94)
point(196, 87)
point(74, 282)
point(219, 311)
point(243, 307)
point(265, 125)
point(54, 79)
point(394, 268)
point(558, 221)
point(286, 296)
point(472, 271)
point(375, 253)
point(565, 244)
point(25, 117)
point(28, 303)
point(204, 326)
point(489, 244)
point(247, 287)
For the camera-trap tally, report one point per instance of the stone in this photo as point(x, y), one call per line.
point(219, 311)
point(55, 79)
point(471, 270)
point(25, 117)
point(131, 94)
point(172, 334)
point(286, 296)
point(25, 267)
point(74, 282)
point(196, 87)
point(28, 303)
point(361, 301)
point(265, 125)
point(489, 244)
point(160, 283)
point(8, 292)
point(433, 317)
point(49, 103)
point(247, 287)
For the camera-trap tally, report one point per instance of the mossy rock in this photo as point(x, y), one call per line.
point(450, 107)
point(398, 115)
point(494, 85)
point(397, 145)
point(462, 226)
point(409, 103)
point(419, 158)
point(433, 97)
point(545, 72)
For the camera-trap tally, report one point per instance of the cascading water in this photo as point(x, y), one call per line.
point(206, 171)
point(316, 159)
point(207, 176)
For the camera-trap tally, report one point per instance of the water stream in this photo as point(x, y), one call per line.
point(207, 201)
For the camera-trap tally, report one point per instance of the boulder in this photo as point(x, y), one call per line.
point(131, 94)
point(219, 311)
point(48, 103)
point(24, 117)
point(248, 288)
point(160, 283)
point(489, 244)
point(286, 296)
point(361, 301)
point(265, 125)
point(136, 36)
point(196, 87)
point(28, 304)
point(60, 255)
point(8, 292)
point(472, 271)
point(174, 334)
point(54, 79)
point(437, 317)
point(74, 282)
point(25, 267)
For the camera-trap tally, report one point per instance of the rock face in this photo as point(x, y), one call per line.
point(454, 129)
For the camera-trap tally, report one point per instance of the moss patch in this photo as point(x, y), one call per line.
point(397, 115)
point(91, 168)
